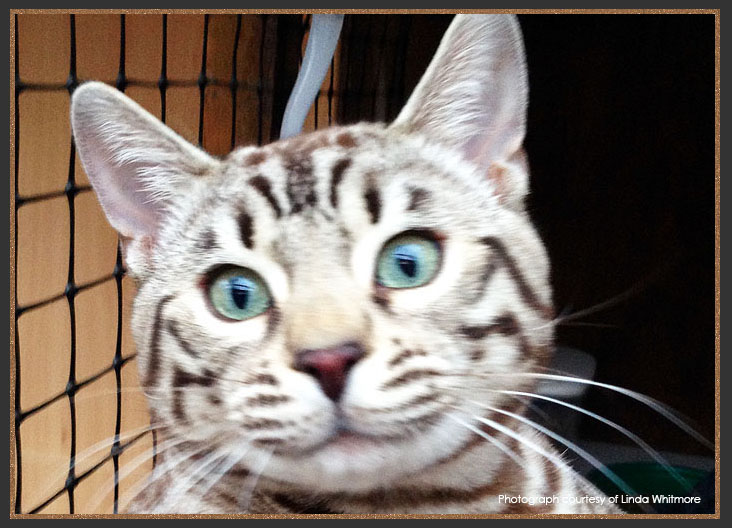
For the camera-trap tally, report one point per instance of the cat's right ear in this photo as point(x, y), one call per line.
point(135, 163)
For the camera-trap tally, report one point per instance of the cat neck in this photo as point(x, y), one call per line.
point(472, 480)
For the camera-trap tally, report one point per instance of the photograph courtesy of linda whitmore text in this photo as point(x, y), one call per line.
point(571, 501)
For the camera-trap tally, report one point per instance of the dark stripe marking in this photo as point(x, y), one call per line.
point(381, 298)
point(404, 355)
point(477, 354)
point(300, 183)
point(267, 400)
point(181, 379)
point(338, 169)
point(417, 198)
point(246, 229)
point(426, 421)
point(303, 505)
point(408, 376)
point(345, 140)
point(373, 203)
point(264, 379)
point(173, 329)
point(263, 187)
point(262, 423)
point(506, 325)
point(524, 289)
point(207, 241)
point(178, 412)
point(269, 441)
point(255, 158)
point(409, 404)
point(226, 497)
point(273, 318)
point(488, 272)
point(154, 364)
point(239, 472)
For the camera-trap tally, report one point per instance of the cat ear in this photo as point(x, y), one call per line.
point(134, 162)
point(473, 97)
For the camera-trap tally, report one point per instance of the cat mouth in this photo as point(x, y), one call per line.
point(349, 441)
point(347, 437)
point(346, 440)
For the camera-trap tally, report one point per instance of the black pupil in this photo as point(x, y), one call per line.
point(408, 264)
point(240, 294)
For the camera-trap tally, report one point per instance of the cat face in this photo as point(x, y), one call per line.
point(337, 306)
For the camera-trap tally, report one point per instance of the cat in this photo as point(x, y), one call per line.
point(331, 323)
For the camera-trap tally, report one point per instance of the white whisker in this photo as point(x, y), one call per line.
point(128, 469)
point(529, 405)
point(109, 442)
point(632, 436)
point(251, 483)
point(190, 478)
point(169, 463)
point(89, 452)
point(222, 469)
point(574, 447)
point(646, 400)
point(500, 445)
point(556, 460)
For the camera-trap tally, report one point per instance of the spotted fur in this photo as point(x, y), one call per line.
point(421, 425)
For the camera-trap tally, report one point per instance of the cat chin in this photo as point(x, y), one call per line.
point(354, 463)
point(340, 468)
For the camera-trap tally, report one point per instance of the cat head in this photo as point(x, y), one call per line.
point(341, 304)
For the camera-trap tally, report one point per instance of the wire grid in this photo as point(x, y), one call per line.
point(387, 46)
point(72, 289)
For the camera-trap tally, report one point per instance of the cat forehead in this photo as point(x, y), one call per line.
point(352, 138)
point(307, 165)
point(300, 155)
point(335, 181)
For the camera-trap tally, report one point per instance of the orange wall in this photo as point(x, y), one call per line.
point(45, 332)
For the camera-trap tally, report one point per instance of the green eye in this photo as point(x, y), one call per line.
point(238, 293)
point(408, 260)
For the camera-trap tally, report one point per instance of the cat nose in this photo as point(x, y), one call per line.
point(330, 366)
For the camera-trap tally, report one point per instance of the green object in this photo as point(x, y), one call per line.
point(648, 479)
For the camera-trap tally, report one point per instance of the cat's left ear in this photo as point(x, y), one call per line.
point(473, 97)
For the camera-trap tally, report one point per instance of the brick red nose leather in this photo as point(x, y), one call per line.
point(330, 366)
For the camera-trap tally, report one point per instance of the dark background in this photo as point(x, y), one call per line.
point(621, 142)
